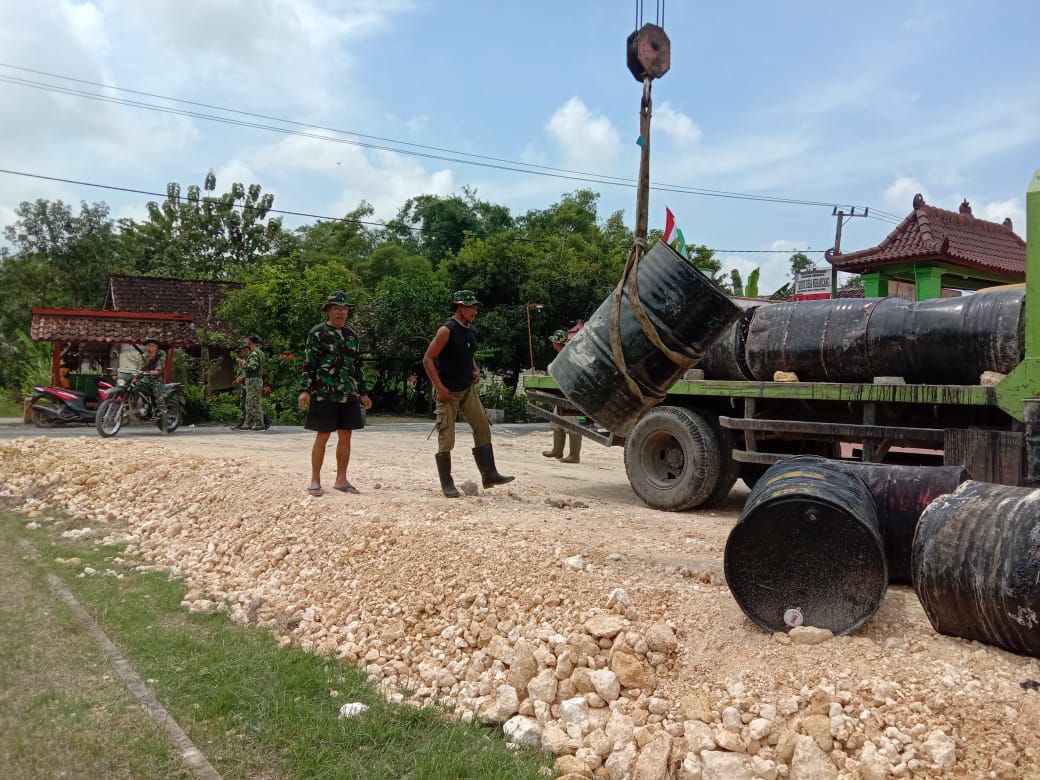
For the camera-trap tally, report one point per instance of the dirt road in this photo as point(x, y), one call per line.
point(558, 605)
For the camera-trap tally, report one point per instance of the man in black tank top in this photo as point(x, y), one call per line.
point(451, 366)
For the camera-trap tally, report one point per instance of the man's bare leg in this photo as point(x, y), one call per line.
point(342, 457)
point(321, 439)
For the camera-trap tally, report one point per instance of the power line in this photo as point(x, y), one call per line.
point(477, 160)
point(383, 225)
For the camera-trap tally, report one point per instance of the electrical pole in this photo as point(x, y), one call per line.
point(841, 215)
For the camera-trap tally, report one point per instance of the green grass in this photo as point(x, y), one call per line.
point(8, 406)
point(254, 710)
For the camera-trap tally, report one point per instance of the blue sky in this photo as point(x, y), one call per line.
point(855, 104)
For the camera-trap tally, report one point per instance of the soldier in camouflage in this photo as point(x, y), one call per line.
point(253, 377)
point(333, 390)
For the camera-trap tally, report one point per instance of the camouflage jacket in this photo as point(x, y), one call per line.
point(253, 365)
point(332, 367)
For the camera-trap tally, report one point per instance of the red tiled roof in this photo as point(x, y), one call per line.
point(930, 233)
point(109, 327)
point(197, 297)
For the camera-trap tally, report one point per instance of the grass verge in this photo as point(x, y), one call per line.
point(254, 710)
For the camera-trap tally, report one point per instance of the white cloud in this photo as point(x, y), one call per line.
point(680, 129)
point(590, 142)
point(899, 195)
point(999, 210)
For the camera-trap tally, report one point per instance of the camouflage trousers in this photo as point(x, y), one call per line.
point(468, 402)
point(254, 416)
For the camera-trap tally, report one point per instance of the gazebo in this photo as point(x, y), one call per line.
point(933, 249)
point(104, 330)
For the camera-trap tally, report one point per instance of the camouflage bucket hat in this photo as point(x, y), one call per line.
point(465, 298)
point(337, 298)
point(559, 336)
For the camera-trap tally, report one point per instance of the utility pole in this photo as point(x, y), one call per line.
point(841, 215)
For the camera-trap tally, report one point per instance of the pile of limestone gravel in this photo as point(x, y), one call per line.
point(620, 675)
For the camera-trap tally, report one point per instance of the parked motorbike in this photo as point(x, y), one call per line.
point(132, 401)
point(54, 406)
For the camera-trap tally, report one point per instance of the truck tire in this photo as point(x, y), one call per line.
point(674, 460)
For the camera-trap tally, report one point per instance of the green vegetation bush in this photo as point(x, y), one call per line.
point(195, 410)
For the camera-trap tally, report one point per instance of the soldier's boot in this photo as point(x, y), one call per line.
point(444, 471)
point(557, 449)
point(574, 456)
point(485, 458)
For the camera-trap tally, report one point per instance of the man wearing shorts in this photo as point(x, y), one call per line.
point(333, 390)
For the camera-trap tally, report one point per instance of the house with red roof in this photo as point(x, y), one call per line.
point(934, 250)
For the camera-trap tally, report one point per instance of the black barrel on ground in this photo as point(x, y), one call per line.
point(687, 310)
point(807, 549)
point(901, 494)
point(976, 565)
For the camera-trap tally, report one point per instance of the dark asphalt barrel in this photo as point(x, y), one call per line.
point(807, 549)
point(820, 341)
point(688, 311)
point(901, 494)
point(939, 341)
point(725, 358)
point(976, 565)
point(947, 341)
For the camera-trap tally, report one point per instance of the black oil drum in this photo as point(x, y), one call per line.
point(939, 341)
point(820, 341)
point(976, 565)
point(807, 549)
point(947, 341)
point(687, 309)
point(725, 357)
point(901, 494)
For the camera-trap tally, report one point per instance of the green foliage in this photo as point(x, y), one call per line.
point(751, 288)
point(204, 236)
point(495, 395)
point(800, 262)
point(34, 367)
point(195, 408)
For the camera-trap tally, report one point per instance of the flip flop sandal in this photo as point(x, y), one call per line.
point(315, 490)
point(348, 488)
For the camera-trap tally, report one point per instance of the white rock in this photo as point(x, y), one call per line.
point(353, 709)
point(523, 731)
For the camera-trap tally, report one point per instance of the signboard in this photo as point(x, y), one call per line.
point(813, 285)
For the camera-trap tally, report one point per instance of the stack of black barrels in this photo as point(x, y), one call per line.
point(819, 541)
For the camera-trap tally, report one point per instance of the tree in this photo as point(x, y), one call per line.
point(205, 236)
point(75, 251)
point(800, 262)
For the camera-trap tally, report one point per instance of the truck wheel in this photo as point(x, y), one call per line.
point(674, 459)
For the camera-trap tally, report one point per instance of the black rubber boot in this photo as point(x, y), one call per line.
point(559, 439)
point(444, 471)
point(485, 458)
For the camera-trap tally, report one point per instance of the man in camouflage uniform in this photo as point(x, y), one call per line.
point(253, 378)
point(333, 390)
point(560, 436)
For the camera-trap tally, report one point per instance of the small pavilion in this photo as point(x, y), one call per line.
point(933, 249)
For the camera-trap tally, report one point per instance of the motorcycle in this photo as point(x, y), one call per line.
point(54, 406)
point(133, 401)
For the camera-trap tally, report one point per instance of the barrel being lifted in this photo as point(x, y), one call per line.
point(888, 381)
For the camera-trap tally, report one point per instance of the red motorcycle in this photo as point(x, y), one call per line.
point(54, 406)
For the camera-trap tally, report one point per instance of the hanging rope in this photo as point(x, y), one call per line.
point(628, 286)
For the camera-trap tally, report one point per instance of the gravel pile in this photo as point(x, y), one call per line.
point(600, 631)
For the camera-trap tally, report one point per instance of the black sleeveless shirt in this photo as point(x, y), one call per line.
point(455, 363)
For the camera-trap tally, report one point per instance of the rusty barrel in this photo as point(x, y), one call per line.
point(807, 549)
point(901, 494)
point(687, 310)
point(976, 565)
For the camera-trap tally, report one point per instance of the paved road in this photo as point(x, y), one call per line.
point(12, 428)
